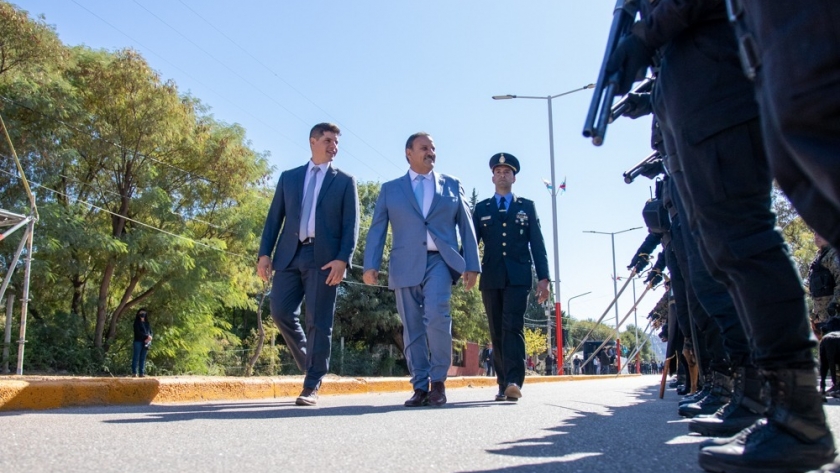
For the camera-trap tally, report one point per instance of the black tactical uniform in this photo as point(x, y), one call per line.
point(512, 241)
point(792, 49)
point(707, 107)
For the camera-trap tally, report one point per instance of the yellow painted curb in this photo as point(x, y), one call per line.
point(38, 393)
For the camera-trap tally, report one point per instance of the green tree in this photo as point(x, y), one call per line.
point(146, 200)
point(797, 234)
point(26, 44)
point(535, 342)
point(473, 200)
point(579, 329)
point(629, 341)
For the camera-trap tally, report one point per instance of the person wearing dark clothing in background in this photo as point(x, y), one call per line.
point(510, 229)
point(142, 342)
point(487, 360)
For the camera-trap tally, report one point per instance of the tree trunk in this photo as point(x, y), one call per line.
point(102, 303)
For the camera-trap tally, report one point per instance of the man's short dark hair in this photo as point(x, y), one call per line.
point(318, 130)
point(409, 143)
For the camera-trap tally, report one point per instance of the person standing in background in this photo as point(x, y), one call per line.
point(142, 342)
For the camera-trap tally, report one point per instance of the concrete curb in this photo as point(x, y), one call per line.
point(39, 393)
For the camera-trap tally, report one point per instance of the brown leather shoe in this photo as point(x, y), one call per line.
point(419, 399)
point(437, 397)
point(308, 397)
point(512, 392)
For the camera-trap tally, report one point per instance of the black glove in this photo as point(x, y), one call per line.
point(654, 277)
point(638, 105)
point(631, 55)
point(640, 262)
point(831, 309)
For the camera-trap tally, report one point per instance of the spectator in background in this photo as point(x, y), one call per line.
point(142, 342)
point(550, 364)
point(487, 360)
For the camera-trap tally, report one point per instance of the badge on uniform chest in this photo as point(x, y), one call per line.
point(521, 219)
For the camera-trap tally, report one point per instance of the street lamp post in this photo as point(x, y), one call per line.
point(557, 300)
point(569, 312)
point(615, 290)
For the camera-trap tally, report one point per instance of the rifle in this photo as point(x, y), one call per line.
point(598, 116)
point(648, 167)
point(644, 87)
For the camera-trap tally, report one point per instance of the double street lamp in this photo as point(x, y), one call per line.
point(554, 189)
point(615, 288)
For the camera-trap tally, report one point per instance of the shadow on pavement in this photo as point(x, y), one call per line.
point(586, 442)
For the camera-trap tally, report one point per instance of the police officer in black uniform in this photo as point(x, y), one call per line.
point(710, 120)
point(792, 50)
point(510, 229)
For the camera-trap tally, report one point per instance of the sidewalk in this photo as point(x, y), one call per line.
point(41, 392)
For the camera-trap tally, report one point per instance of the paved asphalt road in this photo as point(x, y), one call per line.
point(609, 424)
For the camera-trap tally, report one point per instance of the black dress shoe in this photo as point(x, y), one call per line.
point(500, 396)
point(437, 396)
point(419, 399)
point(308, 397)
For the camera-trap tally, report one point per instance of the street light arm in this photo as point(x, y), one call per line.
point(587, 86)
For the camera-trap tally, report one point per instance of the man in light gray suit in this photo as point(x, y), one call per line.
point(315, 212)
point(428, 213)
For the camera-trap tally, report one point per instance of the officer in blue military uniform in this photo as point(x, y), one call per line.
point(510, 229)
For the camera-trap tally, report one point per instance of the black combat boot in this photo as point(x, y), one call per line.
point(721, 394)
point(793, 438)
point(707, 389)
point(743, 410)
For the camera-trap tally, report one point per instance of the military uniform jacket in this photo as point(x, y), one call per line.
point(512, 242)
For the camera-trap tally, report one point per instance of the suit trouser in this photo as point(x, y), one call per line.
point(726, 191)
point(798, 91)
point(506, 318)
point(427, 324)
point(303, 278)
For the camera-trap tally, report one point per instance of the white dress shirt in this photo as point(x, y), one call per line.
point(428, 183)
point(319, 179)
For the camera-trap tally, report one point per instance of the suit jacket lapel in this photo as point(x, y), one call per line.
point(438, 183)
point(329, 177)
point(297, 179)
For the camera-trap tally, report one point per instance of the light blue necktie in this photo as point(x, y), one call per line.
point(307, 204)
point(419, 191)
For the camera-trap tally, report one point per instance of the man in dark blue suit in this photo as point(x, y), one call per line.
point(315, 211)
point(509, 226)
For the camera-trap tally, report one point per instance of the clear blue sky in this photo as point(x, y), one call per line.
point(383, 70)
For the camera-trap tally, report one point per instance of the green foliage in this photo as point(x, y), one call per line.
point(147, 200)
point(797, 234)
point(629, 341)
point(579, 328)
point(360, 359)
